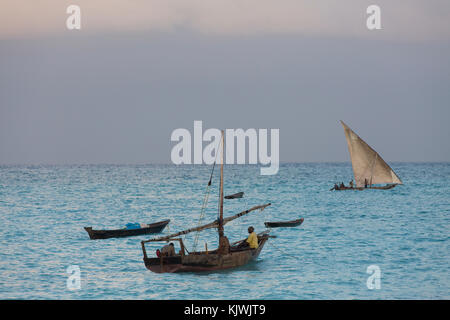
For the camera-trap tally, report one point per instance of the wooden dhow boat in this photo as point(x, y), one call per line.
point(369, 169)
point(225, 257)
point(121, 233)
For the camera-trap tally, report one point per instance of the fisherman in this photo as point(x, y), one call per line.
point(365, 183)
point(252, 240)
point(342, 186)
point(168, 250)
point(351, 183)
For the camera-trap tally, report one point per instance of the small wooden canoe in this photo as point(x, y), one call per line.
point(120, 233)
point(279, 224)
point(235, 196)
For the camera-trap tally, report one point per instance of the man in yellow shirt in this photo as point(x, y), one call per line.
point(251, 242)
point(252, 239)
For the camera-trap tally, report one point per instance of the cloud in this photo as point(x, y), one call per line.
point(409, 20)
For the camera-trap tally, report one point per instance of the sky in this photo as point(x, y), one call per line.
point(114, 91)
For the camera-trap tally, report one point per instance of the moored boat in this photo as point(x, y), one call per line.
point(278, 224)
point(121, 233)
point(235, 196)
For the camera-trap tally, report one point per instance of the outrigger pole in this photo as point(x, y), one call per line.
point(214, 224)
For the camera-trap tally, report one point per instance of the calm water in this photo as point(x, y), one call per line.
point(404, 231)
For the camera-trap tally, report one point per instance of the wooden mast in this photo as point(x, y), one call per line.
point(220, 229)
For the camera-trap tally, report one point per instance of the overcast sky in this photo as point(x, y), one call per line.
point(114, 91)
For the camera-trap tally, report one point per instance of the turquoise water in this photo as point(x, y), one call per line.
point(404, 231)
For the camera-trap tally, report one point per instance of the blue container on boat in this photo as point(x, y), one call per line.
point(133, 225)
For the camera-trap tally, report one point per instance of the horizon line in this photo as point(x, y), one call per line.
point(202, 164)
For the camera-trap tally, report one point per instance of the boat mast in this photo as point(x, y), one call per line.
point(220, 229)
point(371, 169)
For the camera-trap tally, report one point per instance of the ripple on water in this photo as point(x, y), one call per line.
point(405, 231)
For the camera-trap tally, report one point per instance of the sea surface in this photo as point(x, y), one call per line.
point(403, 232)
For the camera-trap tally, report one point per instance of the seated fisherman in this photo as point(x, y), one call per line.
point(351, 183)
point(251, 241)
point(168, 250)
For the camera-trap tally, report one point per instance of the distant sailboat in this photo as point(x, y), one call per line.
point(368, 166)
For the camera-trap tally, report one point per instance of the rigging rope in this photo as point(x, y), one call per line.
point(205, 203)
point(244, 220)
point(282, 251)
point(202, 214)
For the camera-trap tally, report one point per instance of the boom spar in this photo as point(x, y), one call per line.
point(213, 224)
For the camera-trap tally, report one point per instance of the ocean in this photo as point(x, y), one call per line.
point(404, 233)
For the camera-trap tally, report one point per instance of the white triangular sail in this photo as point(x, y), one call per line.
point(367, 164)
